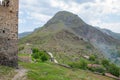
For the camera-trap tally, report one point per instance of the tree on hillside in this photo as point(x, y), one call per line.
point(81, 64)
point(113, 69)
point(39, 55)
point(92, 58)
point(105, 63)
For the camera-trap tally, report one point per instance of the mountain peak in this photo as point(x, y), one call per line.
point(67, 18)
point(63, 13)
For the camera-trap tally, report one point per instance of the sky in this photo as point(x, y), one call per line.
point(100, 13)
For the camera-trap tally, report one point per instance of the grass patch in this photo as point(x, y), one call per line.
point(6, 73)
point(49, 71)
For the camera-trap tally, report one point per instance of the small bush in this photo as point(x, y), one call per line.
point(44, 57)
point(35, 50)
point(113, 69)
point(92, 58)
point(105, 63)
point(82, 64)
point(21, 48)
point(88, 47)
point(39, 55)
point(97, 69)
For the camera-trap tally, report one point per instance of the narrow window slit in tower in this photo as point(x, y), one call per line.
point(3, 31)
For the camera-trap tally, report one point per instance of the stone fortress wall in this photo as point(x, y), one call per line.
point(8, 32)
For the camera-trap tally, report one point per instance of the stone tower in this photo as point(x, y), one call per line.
point(8, 32)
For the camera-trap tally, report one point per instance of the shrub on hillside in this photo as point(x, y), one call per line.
point(113, 69)
point(39, 55)
point(88, 47)
point(97, 69)
point(34, 50)
point(82, 64)
point(105, 63)
point(21, 48)
point(92, 58)
point(44, 57)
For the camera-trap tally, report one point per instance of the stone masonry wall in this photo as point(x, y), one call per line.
point(9, 34)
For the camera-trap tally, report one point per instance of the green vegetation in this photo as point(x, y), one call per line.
point(99, 69)
point(49, 71)
point(81, 64)
point(99, 66)
point(92, 58)
point(39, 55)
point(105, 63)
point(5, 70)
point(88, 47)
point(44, 70)
point(111, 68)
point(6, 73)
point(63, 43)
point(21, 48)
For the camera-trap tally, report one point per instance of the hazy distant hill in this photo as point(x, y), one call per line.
point(68, 37)
point(109, 32)
point(21, 35)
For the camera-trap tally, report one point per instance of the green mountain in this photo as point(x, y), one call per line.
point(68, 37)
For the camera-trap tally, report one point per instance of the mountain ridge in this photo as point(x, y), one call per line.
point(66, 33)
point(110, 33)
point(21, 35)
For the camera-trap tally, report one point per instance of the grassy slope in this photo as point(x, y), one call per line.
point(64, 45)
point(49, 71)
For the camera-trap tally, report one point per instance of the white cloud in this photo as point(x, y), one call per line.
point(115, 27)
point(39, 17)
point(34, 10)
point(21, 21)
point(89, 10)
point(98, 7)
point(92, 12)
point(112, 26)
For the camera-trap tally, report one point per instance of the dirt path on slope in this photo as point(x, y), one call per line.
point(52, 57)
point(21, 74)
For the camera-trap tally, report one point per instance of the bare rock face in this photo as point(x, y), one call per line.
point(8, 33)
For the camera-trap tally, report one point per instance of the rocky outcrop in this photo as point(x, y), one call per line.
point(9, 33)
